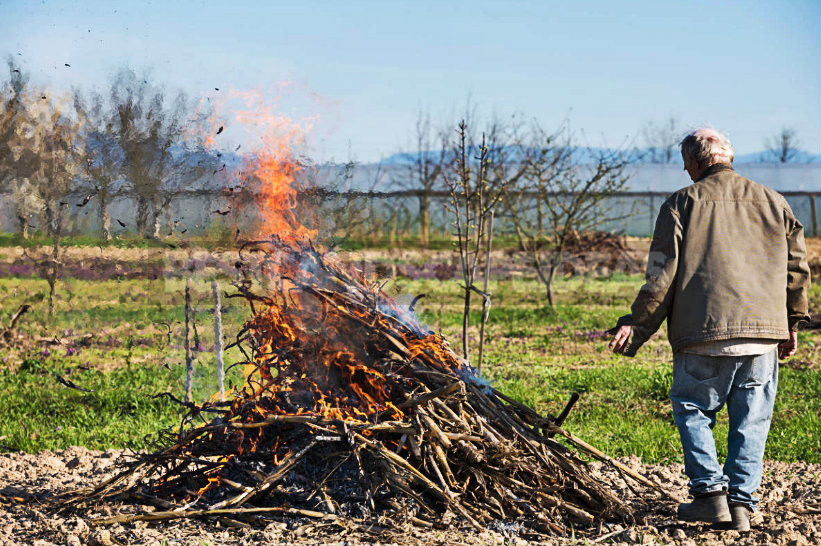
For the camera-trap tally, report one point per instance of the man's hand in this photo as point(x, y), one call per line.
point(787, 348)
point(619, 342)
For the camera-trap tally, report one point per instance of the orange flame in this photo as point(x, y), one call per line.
point(264, 201)
point(311, 354)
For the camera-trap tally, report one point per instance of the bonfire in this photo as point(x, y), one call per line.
point(353, 411)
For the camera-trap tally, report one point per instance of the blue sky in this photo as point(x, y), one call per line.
point(365, 68)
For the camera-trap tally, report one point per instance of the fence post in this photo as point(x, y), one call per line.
point(215, 289)
point(189, 362)
point(814, 216)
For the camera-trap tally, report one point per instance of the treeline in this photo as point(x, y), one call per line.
point(61, 153)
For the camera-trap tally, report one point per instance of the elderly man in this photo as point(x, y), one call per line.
point(727, 268)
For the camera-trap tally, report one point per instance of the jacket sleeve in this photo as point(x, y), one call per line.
point(798, 272)
point(655, 298)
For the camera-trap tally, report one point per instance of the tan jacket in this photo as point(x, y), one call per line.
point(727, 261)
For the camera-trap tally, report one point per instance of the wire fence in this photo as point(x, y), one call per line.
point(381, 214)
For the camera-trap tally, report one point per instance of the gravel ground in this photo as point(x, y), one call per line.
point(789, 513)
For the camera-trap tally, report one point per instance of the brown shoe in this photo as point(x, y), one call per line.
point(709, 508)
point(740, 513)
point(741, 517)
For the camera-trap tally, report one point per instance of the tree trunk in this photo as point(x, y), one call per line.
point(549, 285)
point(486, 295)
point(52, 286)
point(399, 224)
point(49, 214)
point(142, 216)
point(55, 225)
point(24, 226)
point(373, 222)
point(105, 227)
point(555, 262)
point(424, 218)
point(155, 232)
point(103, 218)
point(537, 264)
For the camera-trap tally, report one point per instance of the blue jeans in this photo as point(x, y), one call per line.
point(701, 387)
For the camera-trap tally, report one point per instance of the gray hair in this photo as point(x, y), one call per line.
point(708, 147)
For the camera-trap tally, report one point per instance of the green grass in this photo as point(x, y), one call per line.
point(537, 354)
point(118, 408)
point(40, 239)
point(37, 412)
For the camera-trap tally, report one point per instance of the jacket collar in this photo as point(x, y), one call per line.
point(712, 169)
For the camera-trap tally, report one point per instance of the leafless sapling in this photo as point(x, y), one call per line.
point(472, 200)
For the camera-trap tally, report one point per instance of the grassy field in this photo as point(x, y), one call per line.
point(537, 354)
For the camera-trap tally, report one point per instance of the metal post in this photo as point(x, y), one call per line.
point(215, 289)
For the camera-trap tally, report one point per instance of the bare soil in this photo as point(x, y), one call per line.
point(790, 513)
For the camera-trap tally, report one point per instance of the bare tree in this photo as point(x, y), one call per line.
point(104, 157)
point(560, 197)
point(473, 199)
point(782, 148)
point(150, 132)
point(661, 141)
point(46, 156)
point(15, 97)
point(423, 169)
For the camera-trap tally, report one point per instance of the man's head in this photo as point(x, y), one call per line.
point(704, 147)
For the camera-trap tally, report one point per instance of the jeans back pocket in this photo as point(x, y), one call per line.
point(756, 371)
point(701, 368)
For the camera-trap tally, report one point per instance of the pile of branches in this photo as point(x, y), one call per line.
point(352, 411)
point(595, 241)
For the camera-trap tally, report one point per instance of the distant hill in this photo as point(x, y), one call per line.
point(583, 154)
point(762, 157)
point(391, 173)
point(590, 154)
